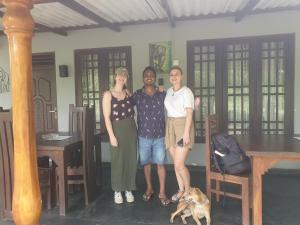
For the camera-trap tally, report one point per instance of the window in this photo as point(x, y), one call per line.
point(94, 69)
point(247, 82)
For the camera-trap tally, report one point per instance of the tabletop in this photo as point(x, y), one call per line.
point(43, 144)
point(269, 144)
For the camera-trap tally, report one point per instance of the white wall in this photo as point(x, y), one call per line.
point(139, 37)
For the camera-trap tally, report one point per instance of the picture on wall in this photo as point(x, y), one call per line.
point(160, 54)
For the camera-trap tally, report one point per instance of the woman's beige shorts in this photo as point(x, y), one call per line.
point(174, 132)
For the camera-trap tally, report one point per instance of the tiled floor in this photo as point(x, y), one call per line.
point(280, 193)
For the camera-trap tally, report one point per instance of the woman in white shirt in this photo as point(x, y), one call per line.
point(179, 103)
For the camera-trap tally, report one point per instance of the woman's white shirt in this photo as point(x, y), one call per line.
point(177, 101)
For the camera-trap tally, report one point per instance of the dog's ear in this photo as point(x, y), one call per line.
point(200, 196)
point(197, 190)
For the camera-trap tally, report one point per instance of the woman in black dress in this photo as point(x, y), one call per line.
point(119, 120)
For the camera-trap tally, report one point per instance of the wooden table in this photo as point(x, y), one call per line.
point(59, 152)
point(265, 151)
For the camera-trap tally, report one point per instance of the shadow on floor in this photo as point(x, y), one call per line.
point(280, 196)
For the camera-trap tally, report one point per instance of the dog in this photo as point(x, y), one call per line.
point(195, 204)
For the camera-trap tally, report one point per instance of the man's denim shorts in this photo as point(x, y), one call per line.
point(152, 151)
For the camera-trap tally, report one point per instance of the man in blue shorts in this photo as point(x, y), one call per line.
point(151, 132)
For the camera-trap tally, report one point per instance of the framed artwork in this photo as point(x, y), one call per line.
point(160, 54)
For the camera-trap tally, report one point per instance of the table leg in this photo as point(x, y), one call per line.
point(256, 192)
point(259, 166)
point(63, 186)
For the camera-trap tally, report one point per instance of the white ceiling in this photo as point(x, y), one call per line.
point(64, 15)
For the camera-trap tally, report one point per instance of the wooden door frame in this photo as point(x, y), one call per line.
point(104, 80)
point(44, 63)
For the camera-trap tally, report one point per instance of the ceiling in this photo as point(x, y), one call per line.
point(61, 16)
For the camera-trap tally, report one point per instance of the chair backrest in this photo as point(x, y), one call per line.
point(6, 162)
point(211, 127)
point(7, 165)
point(77, 120)
point(89, 161)
point(82, 122)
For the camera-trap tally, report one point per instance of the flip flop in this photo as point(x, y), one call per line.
point(164, 201)
point(177, 196)
point(147, 197)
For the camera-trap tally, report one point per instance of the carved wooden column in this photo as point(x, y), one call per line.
point(18, 25)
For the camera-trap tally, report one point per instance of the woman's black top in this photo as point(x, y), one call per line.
point(121, 109)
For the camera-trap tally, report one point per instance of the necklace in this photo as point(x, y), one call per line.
point(119, 95)
point(175, 91)
point(118, 92)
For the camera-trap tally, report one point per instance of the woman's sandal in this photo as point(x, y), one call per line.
point(177, 196)
point(147, 197)
point(164, 201)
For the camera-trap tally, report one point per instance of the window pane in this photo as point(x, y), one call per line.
point(273, 91)
point(230, 73)
point(91, 78)
point(246, 109)
point(203, 79)
point(212, 74)
point(245, 72)
point(96, 80)
point(238, 87)
point(280, 108)
point(251, 85)
point(197, 57)
point(265, 71)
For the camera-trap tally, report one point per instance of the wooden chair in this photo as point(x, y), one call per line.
point(6, 168)
point(6, 165)
point(82, 122)
point(243, 180)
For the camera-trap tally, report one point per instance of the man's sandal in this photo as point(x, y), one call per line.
point(177, 196)
point(147, 197)
point(164, 201)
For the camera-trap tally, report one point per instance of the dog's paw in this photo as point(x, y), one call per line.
point(171, 220)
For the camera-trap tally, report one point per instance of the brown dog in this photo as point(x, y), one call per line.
point(195, 204)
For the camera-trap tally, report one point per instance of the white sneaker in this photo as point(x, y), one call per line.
point(129, 196)
point(118, 197)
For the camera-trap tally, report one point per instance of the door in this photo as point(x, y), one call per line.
point(94, 73)
point(44, 92)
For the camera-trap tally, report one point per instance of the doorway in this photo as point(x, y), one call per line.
point(94, 74)
point(44, 92)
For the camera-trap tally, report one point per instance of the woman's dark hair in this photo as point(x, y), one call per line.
point(176, 68)
point(150, 68)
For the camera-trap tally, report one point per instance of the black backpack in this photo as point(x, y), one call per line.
point(227, 156)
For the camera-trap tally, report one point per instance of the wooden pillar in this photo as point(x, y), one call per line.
point(18, 26)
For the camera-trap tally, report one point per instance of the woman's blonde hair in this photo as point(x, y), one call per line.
point(176, 68)
point(121, 71)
